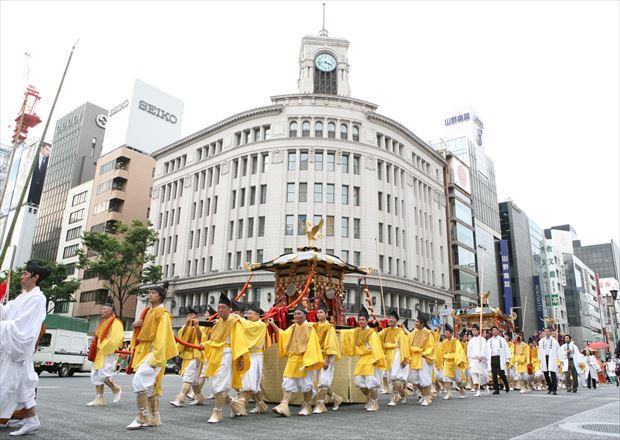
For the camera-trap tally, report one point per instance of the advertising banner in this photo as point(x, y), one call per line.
point(506, 275)
point(540, 317)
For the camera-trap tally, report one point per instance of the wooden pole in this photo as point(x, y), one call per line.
point(380, 279)
point(35, 162)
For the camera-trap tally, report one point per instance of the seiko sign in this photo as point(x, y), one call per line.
point(119, 107)
point(160, 113)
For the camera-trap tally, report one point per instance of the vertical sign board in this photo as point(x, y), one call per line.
point(540, 318)
point(506, 275)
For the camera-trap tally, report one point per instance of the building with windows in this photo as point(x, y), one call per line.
point(5, 163)
point(241, 190)
point(75, 150)
point(583, 308)
point(73, 226)
point(463, 137)
point(120, 193)
point(460, 230)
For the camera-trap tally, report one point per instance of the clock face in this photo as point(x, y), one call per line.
point(325, 62)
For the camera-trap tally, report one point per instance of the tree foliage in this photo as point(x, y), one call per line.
point(121, 259)
point(56, 287)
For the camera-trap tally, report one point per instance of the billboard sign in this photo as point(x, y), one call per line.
point(506, 275)
point(540, 317)
point(459, 173)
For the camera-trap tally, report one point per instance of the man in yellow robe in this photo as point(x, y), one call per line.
point(258, 341)
point(109, 337)
point(152, 345)
point(421, 358)
point(464, 366)
point(191, 368)
point(326, 333)
point(395, 346)
point(206, 335)
point(452, 358)
point(228, 358)
point(300, 344)
point(520, 360)
point(364, 342)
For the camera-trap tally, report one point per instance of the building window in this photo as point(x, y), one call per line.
point(345, 163)
point(259, 255)
point(344, 131)
point(305, 129)
point(292, 157)
point(290, 192)
point(318, 192)
point(318, 161)
point(356, 133)
point(344, 227)
point(303, 161)
point(76, 216)
point(240, 229)
point(73, 233)
point(301, 224)
point(380, 201)
point(263, 194)
point(70, 251)
point(261, 226)
point(357, 257)
point(330, 193)
point(264, 163)
point(331, 162)
point(345, 194)
point(356, 164)
point(318, 129)
point(290, 220)
point(81, 197)
point(292, 129)
point(303, 192)
point(231, 229)
point(329, 228)
point(356, 196)
point(252, 195)
point(380, 232)
point(331, 130)
point(356, 228)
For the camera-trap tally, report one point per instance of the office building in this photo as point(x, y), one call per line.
point(75, 149)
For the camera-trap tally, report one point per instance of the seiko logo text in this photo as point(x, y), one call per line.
point(162, 114)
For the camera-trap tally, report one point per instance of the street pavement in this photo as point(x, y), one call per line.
point(63, 414)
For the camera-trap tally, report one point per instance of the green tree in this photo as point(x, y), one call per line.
point(121, 260)
point(56, 287)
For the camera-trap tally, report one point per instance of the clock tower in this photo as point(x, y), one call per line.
point(323, 65)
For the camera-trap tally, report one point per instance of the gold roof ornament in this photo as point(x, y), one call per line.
point(313, 232)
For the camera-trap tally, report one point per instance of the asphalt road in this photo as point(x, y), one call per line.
point(63, 414)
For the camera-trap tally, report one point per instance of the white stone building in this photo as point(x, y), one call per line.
point(240, 190)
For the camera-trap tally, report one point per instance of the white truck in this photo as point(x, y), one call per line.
point(63, 348)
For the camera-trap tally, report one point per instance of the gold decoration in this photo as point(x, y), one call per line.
point(314, 232)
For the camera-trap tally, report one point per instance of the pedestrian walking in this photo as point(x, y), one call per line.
point(570, 357)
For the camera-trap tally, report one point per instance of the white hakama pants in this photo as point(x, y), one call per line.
point(397, 372)
point(97, 377)
point(251, 379)
point(423, 376)
point(370, 382)
point(222, 380)
point(145, 376)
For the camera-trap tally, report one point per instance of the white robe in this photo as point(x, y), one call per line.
point(564, 350)
point(478, 346)
point(20, 326)
point(504, 351)
point(554, 354)
point(592, 366)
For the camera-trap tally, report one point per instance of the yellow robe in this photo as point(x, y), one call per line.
point(535, 360)
point(301, 346)
point(465, 365)
point(391, 338)
point(163, 346)
point(511, 363)
point(452, 355)
point(365, 343)
point(112, 341)
point(521, 357)
point(421, 345)
point(257, 335)
point(228, 333)
point(191, 335)
point(326, 333)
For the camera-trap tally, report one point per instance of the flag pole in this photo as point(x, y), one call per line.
point(35, 162)
point(380, 279)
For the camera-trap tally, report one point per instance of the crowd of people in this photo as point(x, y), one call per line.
point(222, 359)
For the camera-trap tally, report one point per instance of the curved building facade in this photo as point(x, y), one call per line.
point(240, 191)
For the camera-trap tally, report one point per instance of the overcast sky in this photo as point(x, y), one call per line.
point(544, 76)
